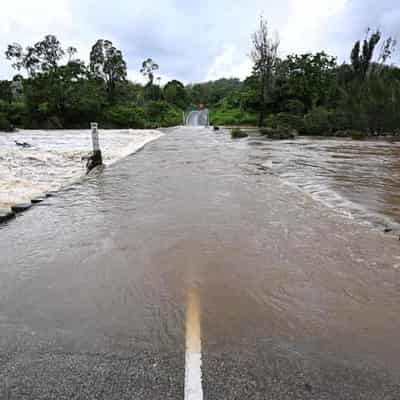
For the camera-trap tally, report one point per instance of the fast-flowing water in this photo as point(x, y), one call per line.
point(290, 299)
point(56, 158)
point(358, 178)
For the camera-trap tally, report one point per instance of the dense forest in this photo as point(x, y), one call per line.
point(311, 93)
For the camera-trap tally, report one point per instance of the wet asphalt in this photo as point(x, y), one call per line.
point(296, 302)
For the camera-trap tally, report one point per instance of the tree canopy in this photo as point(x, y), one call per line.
point(310, 92)
point(108, 65)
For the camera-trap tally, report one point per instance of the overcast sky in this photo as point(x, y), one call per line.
point(194, 40)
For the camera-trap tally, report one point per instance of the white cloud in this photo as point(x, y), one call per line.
point(193, 41)
point(307, 20)
point(27, 22)
point(230, 63)
point(21, 18)
point(137, 77)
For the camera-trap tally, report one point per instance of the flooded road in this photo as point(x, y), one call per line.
point(186, 263)
point(55, 158)
point(360, 179)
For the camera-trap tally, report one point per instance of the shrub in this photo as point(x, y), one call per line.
point(357, 135)
point(266, 131)
point(227, 116)
point(341, 120)
point(17, 113)
point(285, 120)
point(270, 121)
point(290, 121)
point(154, 115)
point(318, 122)
point(279, 133)
point(125, 116)
point(237, 133)
point(294, 106)
point(4, 123)
point(13, 114)
point(161, 113)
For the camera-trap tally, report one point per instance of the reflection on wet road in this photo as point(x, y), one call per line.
point(292, 301)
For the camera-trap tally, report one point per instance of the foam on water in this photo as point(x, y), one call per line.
point(55, 158)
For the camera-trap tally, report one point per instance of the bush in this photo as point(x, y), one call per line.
point(294, 106)
point(270, 121)
point(226, 116)
point(125, 116)
point(161, 113)
point(17, 114)
point(285, 120)
point(279, 133)
point(5, 123)
point(341, 120)
point(237, 133)
point(13, 114)
point(292, 121)
point(318, 122)
point(357, 135)
point(267, 131)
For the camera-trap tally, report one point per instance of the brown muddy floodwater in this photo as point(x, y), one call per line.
point(360, 179)
point(294, 300)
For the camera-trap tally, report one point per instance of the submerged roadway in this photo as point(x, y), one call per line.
point(186, 272)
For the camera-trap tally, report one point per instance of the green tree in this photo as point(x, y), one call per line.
point(161, 113)
point(6, 91)
point(265, 59)
point(125, 116)
point(198, 93)
point(309, 78)
point(175, 93)
point(129, 92)
point(43, 56)
point(152, 92)
point(362, 55)
point(22, 59)
point(49, 52)
point(149, 67)
point(108, 65)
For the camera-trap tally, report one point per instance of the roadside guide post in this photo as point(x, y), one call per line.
point(96, 158)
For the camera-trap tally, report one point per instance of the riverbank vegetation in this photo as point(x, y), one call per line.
point(307, 93)
point(57, 90)
point(312, 93)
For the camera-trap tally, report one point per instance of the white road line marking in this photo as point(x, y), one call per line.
point(193, 383)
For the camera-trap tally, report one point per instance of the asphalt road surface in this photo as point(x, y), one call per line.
point(197, 118)
point(185, 271)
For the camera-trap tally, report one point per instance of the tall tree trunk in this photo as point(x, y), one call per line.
point(261, 115)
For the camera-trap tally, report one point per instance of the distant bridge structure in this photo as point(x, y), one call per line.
point(197, 118)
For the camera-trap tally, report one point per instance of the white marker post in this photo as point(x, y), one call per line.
point(96, 159)
point(95, 136)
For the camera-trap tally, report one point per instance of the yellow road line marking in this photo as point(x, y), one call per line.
point(193, 381)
